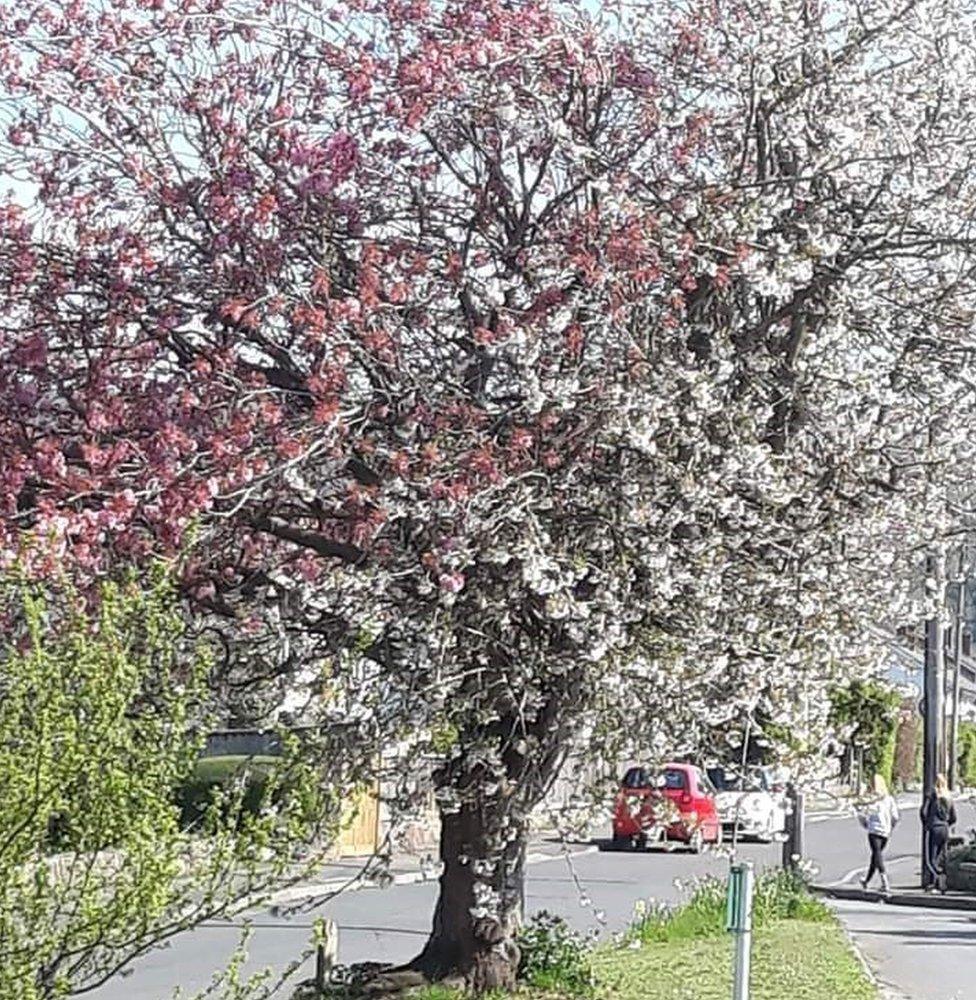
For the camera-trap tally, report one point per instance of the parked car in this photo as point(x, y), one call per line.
point(751, 801)
point(675, 804)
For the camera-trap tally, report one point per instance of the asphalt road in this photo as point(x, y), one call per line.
point(595, 891)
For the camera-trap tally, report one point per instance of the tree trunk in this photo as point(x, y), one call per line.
point(479, 910)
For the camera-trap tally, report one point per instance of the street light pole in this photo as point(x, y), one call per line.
point(933, 752)
point(957, 671)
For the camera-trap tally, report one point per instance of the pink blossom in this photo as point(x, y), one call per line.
point(342, 156)
point(283, 109)
point(453, 583)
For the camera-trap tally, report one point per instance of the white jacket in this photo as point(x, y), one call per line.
point(881, 816)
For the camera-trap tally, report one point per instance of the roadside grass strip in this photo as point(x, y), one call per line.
point(792, 960)
point(799, 952)
point(799, 949)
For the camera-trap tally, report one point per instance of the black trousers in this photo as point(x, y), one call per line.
point(877, 844)
point(935, 844)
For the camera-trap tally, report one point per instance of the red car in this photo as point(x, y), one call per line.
point(678, 804)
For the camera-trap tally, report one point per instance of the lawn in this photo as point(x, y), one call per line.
point(792, 960)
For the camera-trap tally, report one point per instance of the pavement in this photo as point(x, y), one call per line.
point(910, 940)
point(914, 952)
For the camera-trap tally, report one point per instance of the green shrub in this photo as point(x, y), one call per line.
point(553, 956)
point(102, 702)
point(966, 754)
point(437, 991)
point(868, 710)
point(783, 895)
point(906, 768)
point(777, 895)
point(703, 915)
point(886, 758)
point(227, 783)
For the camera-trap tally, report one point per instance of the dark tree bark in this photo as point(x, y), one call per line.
point(483, 853)
point(474, 937)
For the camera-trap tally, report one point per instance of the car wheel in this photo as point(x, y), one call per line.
point(696, 842)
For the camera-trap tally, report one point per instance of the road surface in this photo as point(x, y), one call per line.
point(595, 891)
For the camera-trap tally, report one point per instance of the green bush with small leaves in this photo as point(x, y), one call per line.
point(215, 778)
point(966, 754)
point(868, 711)
point(777, 895)
point(102, 717)
point(553, 956)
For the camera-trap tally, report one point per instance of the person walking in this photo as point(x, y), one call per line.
point(938, 815)
point(879, 818)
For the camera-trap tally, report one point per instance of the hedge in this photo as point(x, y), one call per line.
point(966, 754)
point(869, 710)
point(886, 759)
point(213, 773)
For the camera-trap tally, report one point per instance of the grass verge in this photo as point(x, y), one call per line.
point(799, 952)
point(794, 959)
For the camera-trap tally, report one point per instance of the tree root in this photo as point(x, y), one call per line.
point(373, 980)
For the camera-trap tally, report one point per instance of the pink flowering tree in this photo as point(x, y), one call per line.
point(521, 373)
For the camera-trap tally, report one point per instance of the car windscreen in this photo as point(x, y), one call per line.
point(675, 780)
point(636, 777)
point(730, 781)
point(718, 777)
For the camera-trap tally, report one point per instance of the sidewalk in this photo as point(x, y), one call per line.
point(911, 940)
point(915, 953)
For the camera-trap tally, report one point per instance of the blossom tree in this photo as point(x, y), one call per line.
point(525, 371)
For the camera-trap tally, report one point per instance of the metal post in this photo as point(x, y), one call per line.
point(934, 717)
point(799, 823)
point(956, 673)
point(790, 830)
point(739, 921)
point(795, 819)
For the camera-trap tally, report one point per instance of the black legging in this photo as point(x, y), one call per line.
point(878, 844)
point(935, 843)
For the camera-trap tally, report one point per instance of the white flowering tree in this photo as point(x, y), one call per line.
point(530, 371)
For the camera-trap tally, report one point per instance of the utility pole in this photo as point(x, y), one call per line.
point(933, 759)
point(957, 670)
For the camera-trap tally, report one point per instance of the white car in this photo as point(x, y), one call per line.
point(749, 802)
